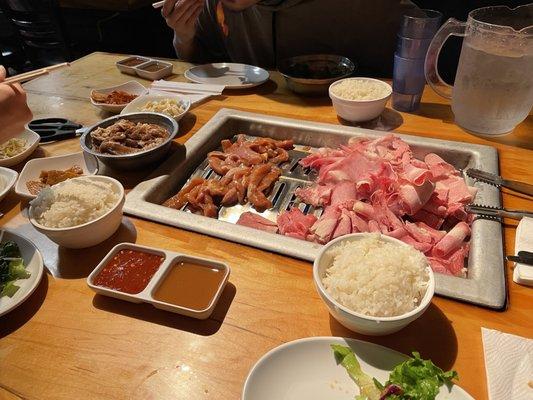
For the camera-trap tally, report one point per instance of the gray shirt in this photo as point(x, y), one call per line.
point(362, 30)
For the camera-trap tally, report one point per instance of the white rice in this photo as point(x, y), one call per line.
point(73, 202)
point(377, 278)
point(360, 89)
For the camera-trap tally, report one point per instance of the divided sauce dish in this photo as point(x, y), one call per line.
point(150, 293)
point(148, 68)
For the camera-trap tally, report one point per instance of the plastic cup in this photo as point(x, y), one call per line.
point(420, 24)
point(408, 83)
point(412, 48)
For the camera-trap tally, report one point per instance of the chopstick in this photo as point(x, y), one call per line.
point(26, 76)
point(158, 4)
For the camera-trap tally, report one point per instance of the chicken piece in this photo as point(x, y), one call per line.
point(179, 199)
point(255, 196)
point(115, 148)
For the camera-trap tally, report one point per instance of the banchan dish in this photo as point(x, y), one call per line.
point(169, 281)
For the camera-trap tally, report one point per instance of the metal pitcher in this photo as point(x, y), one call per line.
point(493, 90)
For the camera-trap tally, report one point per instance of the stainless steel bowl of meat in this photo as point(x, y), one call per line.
point(312, 74)
point(130, 141)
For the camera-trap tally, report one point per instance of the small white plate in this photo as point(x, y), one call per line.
point(231, 75)
point(8, 178)
point(34, 265)
point(33, 168)
point(137, 104)
point(32, 141)
point(306, 369)
point(132, 87)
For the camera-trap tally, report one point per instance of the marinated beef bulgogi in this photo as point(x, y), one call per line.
point(248, 172)
point(51, 177)
point(125, 137)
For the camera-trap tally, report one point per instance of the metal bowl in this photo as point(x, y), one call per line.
point(140, 159)
point(312, 74)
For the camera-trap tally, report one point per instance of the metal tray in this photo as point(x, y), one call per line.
point(485, 281)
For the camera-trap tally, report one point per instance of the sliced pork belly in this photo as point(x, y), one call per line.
point(315, 195)
point(452, 240)
point(295, 223)
point(256, 221)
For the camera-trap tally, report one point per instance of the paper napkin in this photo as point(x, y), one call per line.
point(523, 274)
point(509, 365)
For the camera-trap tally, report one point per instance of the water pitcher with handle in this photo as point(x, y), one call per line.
point(493, 90)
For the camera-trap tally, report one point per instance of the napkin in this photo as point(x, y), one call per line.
point(523, 274)
point(509, 365)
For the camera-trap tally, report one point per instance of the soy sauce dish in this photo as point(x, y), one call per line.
point(169, 281)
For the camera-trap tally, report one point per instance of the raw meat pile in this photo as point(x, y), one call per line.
point(378, 186)
point(247, 170)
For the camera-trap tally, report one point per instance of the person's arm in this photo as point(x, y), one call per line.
point(14, 111)
point(181, 16)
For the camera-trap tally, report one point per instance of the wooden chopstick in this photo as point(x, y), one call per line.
point(26, 76)
point(158, 4)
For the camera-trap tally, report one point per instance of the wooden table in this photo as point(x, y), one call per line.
point(64, 342)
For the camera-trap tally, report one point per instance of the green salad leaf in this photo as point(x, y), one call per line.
point(413, 379)
point(346, 357)
point(11, 268)
point(419, 379)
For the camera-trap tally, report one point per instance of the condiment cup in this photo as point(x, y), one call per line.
point(32, 141)
point(131, 87)
point(164, 70)
point(359, 110)
point(137, 104)
point(147, 295)
point(140, 159)
point(357, 322)
point(9, 177)
point(123, 66)
point(91, 233)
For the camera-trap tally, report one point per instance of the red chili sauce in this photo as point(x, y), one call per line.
point(129, 271)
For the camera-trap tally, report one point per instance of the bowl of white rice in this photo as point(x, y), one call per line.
point(373, 284)
point(359, 99)
point(79, 212)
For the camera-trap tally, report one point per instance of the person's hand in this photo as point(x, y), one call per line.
point(14, 111)
point(181, 16)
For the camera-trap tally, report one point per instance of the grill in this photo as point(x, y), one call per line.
point(485, 283)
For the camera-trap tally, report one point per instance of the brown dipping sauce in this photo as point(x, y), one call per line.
point(129, 271)
point(190, 285)
point(153, 67)
point(132, 62)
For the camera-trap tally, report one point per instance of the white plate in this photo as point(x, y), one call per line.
point(231, 75)
point(8, 177)
point(34, 265)
point(306, 369)
point(137, 104)
point(33, 168)
point(132, 87)
point(32, 141)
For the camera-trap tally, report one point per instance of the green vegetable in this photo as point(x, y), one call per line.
point(414, 379)
point(11, 268)
point(346, 357)
point(420, 379)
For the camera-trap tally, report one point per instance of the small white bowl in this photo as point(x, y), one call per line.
point(91, 233)
point(8, 177)
point(132, 87)
point(360, 110)
point(357, 322)
point(31, 171)
point(32, 141)
point(137, 104)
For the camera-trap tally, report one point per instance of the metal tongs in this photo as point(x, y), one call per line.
point(490, 211)
point(523, 257)
point(496, 180)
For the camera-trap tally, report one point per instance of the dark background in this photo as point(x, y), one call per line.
point(53, 34)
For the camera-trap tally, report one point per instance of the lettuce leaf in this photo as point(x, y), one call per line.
point(346, 357)
point(420, 379)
